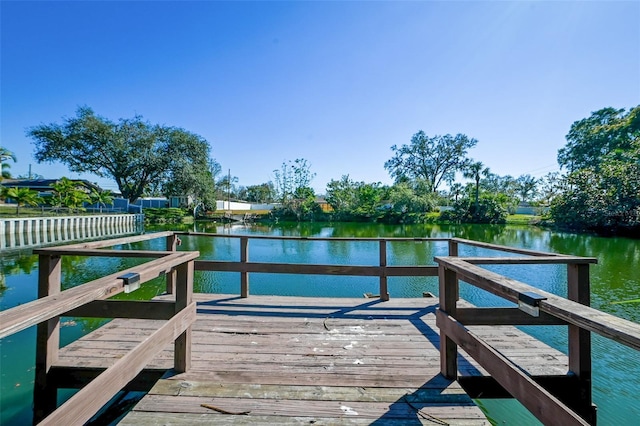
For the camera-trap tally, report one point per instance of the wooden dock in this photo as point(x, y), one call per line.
point(249, 359)
point(292, 360)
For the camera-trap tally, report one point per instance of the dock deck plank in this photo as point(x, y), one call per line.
point(294, 360)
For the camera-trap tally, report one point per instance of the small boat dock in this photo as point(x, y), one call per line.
point(246, 359)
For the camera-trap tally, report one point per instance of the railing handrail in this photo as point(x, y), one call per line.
point(26, 315)
point(554, 309)
point(103, 243)
point(287, 237)
point(585, 317)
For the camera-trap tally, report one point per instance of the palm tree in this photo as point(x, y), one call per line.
point(22, 197)
point(455, 190)
point(6, 155)
point(69, 194)
point(101, 198)
point(473, 171)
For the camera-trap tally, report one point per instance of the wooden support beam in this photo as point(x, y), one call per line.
point(47, 338)
point(310, 269)
point(98, 252)
point(104, 243)
point(184, 299)
point(578, 289)
point(503, 316)
point(448, 283)
point(244, 273)
point(540, 402)
point(486, 387)
point(79, 377)
point(171, 244)
point(141, 309)
point(384, 290)
point(537, 260)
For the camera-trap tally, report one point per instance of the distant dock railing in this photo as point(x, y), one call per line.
point(26, 232)
point(559, 399)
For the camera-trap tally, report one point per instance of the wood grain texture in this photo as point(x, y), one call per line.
point(291, 360)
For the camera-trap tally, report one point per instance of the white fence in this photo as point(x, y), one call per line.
point(234, 205)
point(37, 231)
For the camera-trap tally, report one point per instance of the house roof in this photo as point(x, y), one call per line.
point(44, 184)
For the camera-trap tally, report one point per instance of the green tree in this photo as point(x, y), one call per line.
point(455, 190)
point(488, 209)
point(527, 187)
point(5, 156)
point(434, 159)
point(475, 170)
point(21, 196)
point(263, 193)
point(602, 190)
point(341, 195)
point(226, 187)
point(591, 139)
point(607, 200)
point(369, 199)
point(191, 174)
point(69, 194)
point(291, 177)
point(405, 199)
point(132, 152)
point(101, 198)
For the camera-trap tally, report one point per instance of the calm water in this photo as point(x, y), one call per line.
point(615, 278)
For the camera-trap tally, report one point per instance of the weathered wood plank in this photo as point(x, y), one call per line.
point(302, 239)
point(148, 309)
point(450, 394)
point(269, 348)
point(97, 252)
point(179, 419)
point(293, 408)
point(311, 269)
point(507, 249)
point(503, 316)
point(536, 260)
point(32, 313)
point(539, 401)
point(104, 243)
point(587, 318)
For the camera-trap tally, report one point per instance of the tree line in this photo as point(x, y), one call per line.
point(597, 187)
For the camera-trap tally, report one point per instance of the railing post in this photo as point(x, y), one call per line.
point(171, 245)
point(453, 251)
point(578, 290)
point(244, 275)
point(384, 290)
point(184, 297)
point(47, 340)
point(453, 248)
point(448, 290)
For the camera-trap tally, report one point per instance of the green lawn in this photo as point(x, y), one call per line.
point(522, 219)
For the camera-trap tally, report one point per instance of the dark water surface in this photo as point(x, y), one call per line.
point(615, 278)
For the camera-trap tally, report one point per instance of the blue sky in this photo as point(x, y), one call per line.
point(336, 83)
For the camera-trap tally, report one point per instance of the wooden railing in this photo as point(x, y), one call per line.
point(562, 400)
point(88, 300)
point(382, 270)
